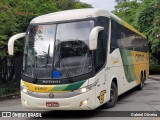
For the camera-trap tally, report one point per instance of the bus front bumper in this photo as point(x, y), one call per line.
point(85, 101)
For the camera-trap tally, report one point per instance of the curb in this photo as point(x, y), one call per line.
point(10, 96)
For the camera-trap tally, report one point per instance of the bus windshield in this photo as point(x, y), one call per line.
point(58, 51)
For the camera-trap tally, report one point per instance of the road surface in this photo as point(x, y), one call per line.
point(146, 100)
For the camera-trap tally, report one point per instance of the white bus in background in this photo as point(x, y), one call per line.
point(80, 59)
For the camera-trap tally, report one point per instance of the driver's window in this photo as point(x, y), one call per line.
point(99, 54)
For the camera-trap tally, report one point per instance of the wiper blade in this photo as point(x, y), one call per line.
point(48, 54)
point(33, 74)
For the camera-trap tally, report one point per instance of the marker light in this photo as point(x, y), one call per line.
point(85, 102)
point(24, 89)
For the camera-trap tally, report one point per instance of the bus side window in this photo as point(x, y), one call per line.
point(114, 36)
point(99, 53)
point(113, 44)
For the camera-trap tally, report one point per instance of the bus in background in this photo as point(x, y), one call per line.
point(80, 59)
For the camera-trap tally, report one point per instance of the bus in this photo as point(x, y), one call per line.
point(80, 59)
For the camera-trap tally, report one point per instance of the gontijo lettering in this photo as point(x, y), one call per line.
point(40, 88)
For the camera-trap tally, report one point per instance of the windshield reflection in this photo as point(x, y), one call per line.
point(58, 51)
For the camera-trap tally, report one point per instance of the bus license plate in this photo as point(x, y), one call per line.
point(52, 104)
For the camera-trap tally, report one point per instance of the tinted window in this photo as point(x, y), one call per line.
point(101, 51)
point(114, 36)
point(99, 55)
point(122, 37)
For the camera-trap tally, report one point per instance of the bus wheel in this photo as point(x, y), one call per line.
point(141, 85)
point(113, 96)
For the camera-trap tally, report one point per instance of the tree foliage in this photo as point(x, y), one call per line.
point(144, 15)
point(127, 11)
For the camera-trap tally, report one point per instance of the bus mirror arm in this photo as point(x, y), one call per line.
point(12, 40)
point(94, 36)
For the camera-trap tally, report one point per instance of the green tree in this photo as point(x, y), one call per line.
point(149, 23)
point(127, 11)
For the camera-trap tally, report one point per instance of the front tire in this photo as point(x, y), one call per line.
point(113, 96)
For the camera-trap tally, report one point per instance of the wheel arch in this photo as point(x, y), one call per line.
point(113, 79)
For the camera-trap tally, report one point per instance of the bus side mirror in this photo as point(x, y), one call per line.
point(12, 40)
point(94, 36)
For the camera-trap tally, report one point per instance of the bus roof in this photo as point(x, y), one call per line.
point(81, 14)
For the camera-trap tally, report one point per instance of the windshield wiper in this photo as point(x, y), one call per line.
point(33, 74)
point(48, 54)
point(83, 62)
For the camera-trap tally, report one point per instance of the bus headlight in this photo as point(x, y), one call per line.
point(83, 90)
point(86, 88)
point(24, 89)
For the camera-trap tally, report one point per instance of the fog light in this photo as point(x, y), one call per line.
point(25, 102)
point(85, 102)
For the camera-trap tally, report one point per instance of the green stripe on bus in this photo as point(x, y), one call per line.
point(75, 86)
point(128, 65)
point(68, 87)
point(59, 87)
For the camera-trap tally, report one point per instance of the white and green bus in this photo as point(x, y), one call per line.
point(80, 59)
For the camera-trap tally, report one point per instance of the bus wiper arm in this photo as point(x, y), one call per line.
point(33, 73)
point(47, 55)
